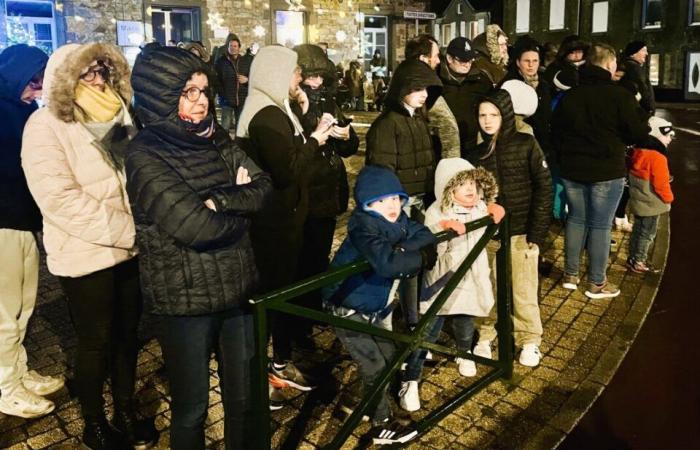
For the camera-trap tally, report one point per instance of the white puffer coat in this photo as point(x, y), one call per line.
point(474, 294)
point(87, 222)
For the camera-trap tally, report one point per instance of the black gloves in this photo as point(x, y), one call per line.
point(429, 256)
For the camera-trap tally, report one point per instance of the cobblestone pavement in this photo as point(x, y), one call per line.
point(583, 343)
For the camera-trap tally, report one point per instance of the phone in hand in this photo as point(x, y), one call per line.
point(345, 122)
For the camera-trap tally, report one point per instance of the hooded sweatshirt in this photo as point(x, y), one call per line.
point(399, 138)
point(71, 172)
point(392, 249)
point(474, 294)
point(18, 64)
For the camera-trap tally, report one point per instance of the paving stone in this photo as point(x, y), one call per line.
point(47, 439)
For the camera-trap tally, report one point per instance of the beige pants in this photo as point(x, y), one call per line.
point(19, 279)
point(527, 325)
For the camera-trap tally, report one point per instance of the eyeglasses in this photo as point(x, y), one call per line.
point(101, 69)
point(193, 93)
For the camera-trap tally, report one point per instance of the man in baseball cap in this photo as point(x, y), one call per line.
point(462, 87)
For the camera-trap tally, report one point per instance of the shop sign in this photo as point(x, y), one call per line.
point(419, 15)
point(129, 33)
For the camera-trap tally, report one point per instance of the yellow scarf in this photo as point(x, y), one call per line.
point(95, 105)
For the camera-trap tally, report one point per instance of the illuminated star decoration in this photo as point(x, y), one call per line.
point(295, 5)
point(259, 31)
point(215, 21)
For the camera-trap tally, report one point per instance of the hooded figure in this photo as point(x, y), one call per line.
point(474, 295)
point(73, 156)
point(21, 390)
point(192, 211)
point(525, 104)
point(273, 136)
point(562, 74)
point(400, 138)
point(493, 59)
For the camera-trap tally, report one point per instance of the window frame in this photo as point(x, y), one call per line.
point(518, 22)
point(692, 20)
point(607, 18)
point(645, 5)
point(563, 15)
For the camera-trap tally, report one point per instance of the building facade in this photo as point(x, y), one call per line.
point(670, 28)
point(460, 19)
point(351, 28)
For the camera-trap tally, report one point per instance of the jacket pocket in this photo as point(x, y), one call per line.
point(186, 269)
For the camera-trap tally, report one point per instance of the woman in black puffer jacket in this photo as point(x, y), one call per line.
point(191, 191)
point(525, 190)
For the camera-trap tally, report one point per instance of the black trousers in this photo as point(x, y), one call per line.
point(105, 308)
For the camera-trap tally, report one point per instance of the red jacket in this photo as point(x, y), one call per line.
point(650, 180)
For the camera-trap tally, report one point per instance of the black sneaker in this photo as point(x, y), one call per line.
point(140, 434)
point(100, 435)
point(392, 433)
point(641, 267)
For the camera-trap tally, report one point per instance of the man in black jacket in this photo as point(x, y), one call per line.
point(463, 88)
point(21, 77)
point(636, 75)
point(232, 70)
point(593, 125)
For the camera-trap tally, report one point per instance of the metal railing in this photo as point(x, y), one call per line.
point(278, 300)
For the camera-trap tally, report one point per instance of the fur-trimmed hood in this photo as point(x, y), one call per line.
point(63, 74)
point(487, 44)
point(452, 172)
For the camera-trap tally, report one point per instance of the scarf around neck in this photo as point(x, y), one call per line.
point(533, 80)
point(205, 127)
point(94, 105)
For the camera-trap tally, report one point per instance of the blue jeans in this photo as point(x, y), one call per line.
point(372, 355)
point(643, 234)
point(591, 210)
point(228, 118)
point(187, 343)
point(463, 329)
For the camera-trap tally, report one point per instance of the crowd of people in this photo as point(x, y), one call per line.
point(146, 203)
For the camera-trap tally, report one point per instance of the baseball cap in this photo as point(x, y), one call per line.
point(461, 48)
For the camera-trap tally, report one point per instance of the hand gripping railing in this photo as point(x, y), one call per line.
point(278, 300)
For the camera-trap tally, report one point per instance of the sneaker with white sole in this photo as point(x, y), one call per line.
point(570, 282)
point(623, 224)
point(392, 433)
point(277, 400)
point(530, 355)
point(290, 376)
point(22, 402)
point(466, 367)
point(42, 384)
point(409, 398)
point(605, 290)
point(483, 349)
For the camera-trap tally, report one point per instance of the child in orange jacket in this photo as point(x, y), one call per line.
point(650, 192)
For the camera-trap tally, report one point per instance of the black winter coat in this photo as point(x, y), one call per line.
point(193, 260)
point(462, 98)
point(18, 64)
point(328, 181)
point(636, 75)
point(541, 120)
point(400, 141)
point(227, 70)
point(593, 125)
point(524, 180)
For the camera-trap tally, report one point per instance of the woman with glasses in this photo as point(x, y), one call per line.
point(192, 192)
point(73, 158)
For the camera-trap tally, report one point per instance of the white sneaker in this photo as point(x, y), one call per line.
point(622, 224)
point(41, 384)
point(530, 355)
point(21, 402)
point(467, 367)
point(483, 349)
point(409, 399)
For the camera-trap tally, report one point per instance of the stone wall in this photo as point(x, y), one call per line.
point(95, 20)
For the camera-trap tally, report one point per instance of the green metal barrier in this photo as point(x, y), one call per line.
point(278, 300)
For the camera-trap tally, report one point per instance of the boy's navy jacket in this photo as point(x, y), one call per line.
point(392, 249)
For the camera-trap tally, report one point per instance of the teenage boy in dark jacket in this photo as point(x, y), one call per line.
point(396, 247)
point(22, 391)
point(232, 70)
point(593, 125)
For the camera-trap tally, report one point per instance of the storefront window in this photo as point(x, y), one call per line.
point(652, 13)
point(175, 24)
point(654, 68)
point(31, 22)
point(694, 15)
point(290, 28)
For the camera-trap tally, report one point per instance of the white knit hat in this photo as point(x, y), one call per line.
point(660, 127)
point(523, 96)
